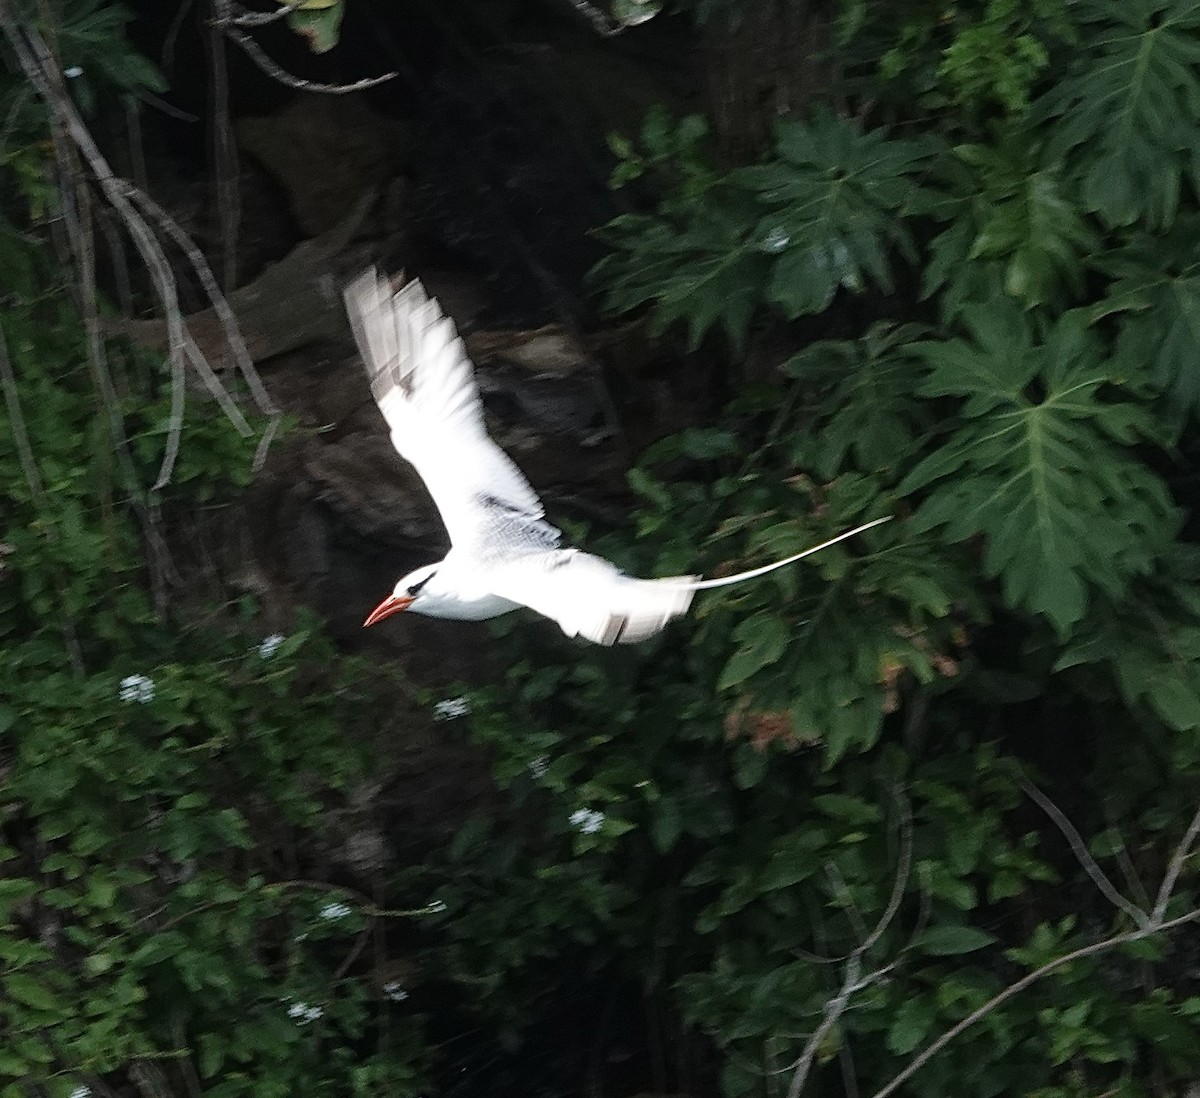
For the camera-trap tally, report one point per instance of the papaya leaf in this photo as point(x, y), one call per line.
point(829, 209)
point(873, 415)
point(1014, 217)
point(1125, 116)
point(1151, 646)
point(1035, 464)
point(1157, 289)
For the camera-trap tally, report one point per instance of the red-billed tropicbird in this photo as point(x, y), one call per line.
point(503, 553)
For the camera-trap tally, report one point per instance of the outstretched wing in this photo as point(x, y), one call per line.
point(591, 598)
point(424, 385)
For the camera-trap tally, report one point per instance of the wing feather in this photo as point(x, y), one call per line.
point(591, 598)
point(424, 384)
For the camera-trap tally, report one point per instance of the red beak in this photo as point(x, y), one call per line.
point(393, 604)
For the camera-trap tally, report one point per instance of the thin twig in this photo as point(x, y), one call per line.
point(38, 64)
point(227, 196)
point(1175, 867)
point(214, 386)
point(174, 425)
point(853, 979)
point(255, 52)
point(903, 867)
point(1081, 852)
point(167, 56)
point(208, 281)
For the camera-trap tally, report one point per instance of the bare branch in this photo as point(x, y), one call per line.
point(1182, 853)
point(224, 313)
point(853, 980)
point(227, 196)
point(1081, 852)
point(38, 64)
point(218, 391)
point(903, 867)
point(174, 425)
point(256, 54)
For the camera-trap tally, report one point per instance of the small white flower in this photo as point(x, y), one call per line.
point(81, 1092)
point(303, 1013)
point(394, 991)
point(538, 767)
point(587, 820)
point(451, 708)
point(335, 911)
point(137, 688)
point(270, 645)
point(72, 72)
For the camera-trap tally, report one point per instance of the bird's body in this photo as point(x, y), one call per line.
point(504, 553)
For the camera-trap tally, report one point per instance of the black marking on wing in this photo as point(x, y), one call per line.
point(614, 629)
point(510, 530)
point(498, 504)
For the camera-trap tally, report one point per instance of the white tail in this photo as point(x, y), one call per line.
point(725, 581)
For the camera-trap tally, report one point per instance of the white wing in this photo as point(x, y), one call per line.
point(591, 598)
point(424, 385)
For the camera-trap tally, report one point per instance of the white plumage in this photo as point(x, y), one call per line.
point(503, 553)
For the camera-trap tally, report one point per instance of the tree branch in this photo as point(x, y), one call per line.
point(1081, 852)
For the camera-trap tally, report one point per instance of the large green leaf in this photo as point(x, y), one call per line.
point(1157, 287)
point(1011, 225)
point(830, 204)
point(702, 272)
point(1126, 115)
point(1151, 645)
point(1039, 463)
point(1031, 226)
point(823, 213)
point(870, 416)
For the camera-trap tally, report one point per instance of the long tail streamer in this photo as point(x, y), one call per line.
point(725, 581)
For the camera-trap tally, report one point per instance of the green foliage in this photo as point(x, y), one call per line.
point(1156, 280)
point(1015, 217)
point(1120, 117)
point(1040, 465)
point(159, 773)
point(966, 312)
point(824, 216)
point(976, 57)
point(714, 817)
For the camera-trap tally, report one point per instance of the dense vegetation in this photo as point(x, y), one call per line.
point(840, 811)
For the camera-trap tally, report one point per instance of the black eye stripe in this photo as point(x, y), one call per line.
point(416, 587)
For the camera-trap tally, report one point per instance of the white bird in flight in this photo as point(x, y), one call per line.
point(503, 552)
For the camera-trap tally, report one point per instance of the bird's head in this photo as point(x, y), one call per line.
point(405, 596)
